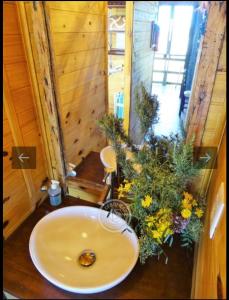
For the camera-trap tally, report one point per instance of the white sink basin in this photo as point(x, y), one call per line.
point(108, 158)
point(59, 238)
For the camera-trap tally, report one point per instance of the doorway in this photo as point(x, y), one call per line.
point(175, 21)
point(116, 54)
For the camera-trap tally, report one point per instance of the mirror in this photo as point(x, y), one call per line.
point(163, 47)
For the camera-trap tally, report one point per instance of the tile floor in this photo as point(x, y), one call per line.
point(169, 100)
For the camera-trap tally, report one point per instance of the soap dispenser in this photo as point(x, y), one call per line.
point(55, 193)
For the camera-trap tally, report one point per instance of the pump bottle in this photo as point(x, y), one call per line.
point(55, 193)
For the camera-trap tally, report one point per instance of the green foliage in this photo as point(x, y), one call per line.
point(146, 108)
point(166, 168)
point(192, 232)
point(148, 248)
point(113, 129)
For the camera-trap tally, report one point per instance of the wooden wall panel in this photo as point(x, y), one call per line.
point(78, 38)
point(71, 80)
point(34, 22)
point(67, 21)
point(71, 62)
point(216, 117)
point(82, 42)
point(22, 187)
point(211, 254)
point(16, 199)
point(210, 270)
point(144, 12)
point(206, 71)
point(94, 7)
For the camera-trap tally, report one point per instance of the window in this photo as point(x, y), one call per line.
point(116, 31)
point(119, 105)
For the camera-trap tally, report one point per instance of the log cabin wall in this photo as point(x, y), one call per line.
point(210, 269)
point(144, 12)
point(21, 188)
point(78, 40)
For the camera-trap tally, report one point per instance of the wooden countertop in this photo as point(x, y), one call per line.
point(154, 280)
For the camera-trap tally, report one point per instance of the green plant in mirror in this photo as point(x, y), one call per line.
point(158, 176)
point(147, 107)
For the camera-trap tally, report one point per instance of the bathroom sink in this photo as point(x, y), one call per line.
point(83, 249)
point(108, 158)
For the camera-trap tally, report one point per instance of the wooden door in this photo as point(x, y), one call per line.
point(21, 127)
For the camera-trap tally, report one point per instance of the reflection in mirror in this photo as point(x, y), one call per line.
point(166, 69)
point(181, 28)
point(116, 52)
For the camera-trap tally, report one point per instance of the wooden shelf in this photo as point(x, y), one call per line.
point(88, 183)
point(116, 52)
point(116, 4)
point(115, 30)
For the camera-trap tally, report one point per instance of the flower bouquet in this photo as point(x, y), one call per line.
point(157, 183)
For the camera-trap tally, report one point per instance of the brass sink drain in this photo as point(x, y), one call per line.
point(87, 258)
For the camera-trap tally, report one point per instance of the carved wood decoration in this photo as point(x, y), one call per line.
point(206, 70)
point(117, 23)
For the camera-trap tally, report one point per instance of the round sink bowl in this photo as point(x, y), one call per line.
point(108, 158)
point(59, 239)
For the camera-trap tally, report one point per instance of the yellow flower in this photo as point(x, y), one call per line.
point(156, 234)
point(120, 191)
point(186, 204)
point(194, 202)
point(186, 213)
point(150, 219)
point(187, 196)
point(162, 227)
point(199, 212)
point(127, 187)
point(163, 211)
point(120, 195)
point(149, 224)
point(123, 189)
point(147, 201)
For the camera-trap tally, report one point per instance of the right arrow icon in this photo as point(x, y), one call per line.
point(207, 157)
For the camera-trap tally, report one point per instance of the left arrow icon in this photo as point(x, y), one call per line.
point(21, 157)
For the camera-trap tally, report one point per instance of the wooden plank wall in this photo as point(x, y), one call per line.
point(210, 270)
point(78, 36)
point(216, 117)
point(20, 126)
point(206, 71)
point(128, 64)
point(16, 199)
point(41, 63)
point(144, 12)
